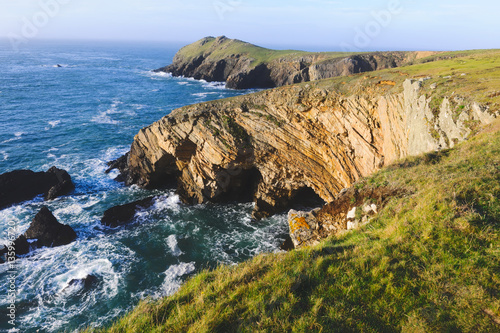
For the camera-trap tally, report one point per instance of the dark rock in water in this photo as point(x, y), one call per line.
point(287, 244)
point(44, 230)
point(120, 215)
point(20, 247)
point(88, 282)
point(48, 231)
point(63, 186)
point(21, 185)
point(121, 164)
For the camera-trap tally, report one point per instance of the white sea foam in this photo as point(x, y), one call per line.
point(73, 209)
point(52, 124)
point(172, 280)
point(183, 83)
point(4, 154)
point(104, 116)
point(168, 202)
point(215, 85)
point(19, 134)
point(204, 94)
point(157, 75)
point(174, 246)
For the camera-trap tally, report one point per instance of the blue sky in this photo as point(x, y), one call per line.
point(307, 24)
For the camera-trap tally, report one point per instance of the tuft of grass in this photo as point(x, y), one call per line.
point(429, 262)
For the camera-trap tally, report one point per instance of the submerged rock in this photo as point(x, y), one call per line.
point(21, 185)
point(120, 215)
point(86, 283)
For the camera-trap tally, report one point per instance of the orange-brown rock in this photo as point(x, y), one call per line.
point(292, 143)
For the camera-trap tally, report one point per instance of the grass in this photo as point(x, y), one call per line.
point(429, 262)
point(473, 76)
point(236, 47)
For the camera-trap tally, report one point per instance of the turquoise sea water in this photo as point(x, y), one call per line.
point(77, 117)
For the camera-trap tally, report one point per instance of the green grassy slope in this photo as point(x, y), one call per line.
point(429, 262)
point(258, 54)
point(473, 75)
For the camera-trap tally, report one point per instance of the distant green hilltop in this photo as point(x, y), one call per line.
point(243, 65)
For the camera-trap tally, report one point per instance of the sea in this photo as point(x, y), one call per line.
point(78, 105)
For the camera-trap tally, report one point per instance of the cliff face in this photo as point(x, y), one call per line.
point(294, 143)
point(242, 65)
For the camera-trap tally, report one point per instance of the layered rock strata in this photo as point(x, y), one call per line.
point(293, 144)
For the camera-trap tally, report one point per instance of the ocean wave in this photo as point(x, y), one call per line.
point(173, 274)
point(5, 155)
point(174, 246)
point(52, 124)
point(104, 118)
point(156, 75)
point(204, 94)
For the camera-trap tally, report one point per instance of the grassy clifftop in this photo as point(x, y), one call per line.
point(470, 74)
point(429, 262)
point(221, 48)
point(243, 65)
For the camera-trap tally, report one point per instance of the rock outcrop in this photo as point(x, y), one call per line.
point(44, 231)
point(120, 215)
point(242, 65)
point(21, 185)
point(47, 231)
point(351, 209)
point(294, 143)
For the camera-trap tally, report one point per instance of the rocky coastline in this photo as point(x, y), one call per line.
point(240, 65)
point(300, 144)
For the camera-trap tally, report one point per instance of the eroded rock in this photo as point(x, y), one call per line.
point(277, 147)
point(200, 61)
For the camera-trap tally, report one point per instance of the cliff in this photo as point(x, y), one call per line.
point(242, 65)
point(305, 143)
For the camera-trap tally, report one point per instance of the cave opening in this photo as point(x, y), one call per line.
point(243, 184)
point(305, 198)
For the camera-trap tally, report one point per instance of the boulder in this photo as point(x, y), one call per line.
point(21, 185)
point(44, 230)
point(20, 246)
point(303, 228)
point(123, 214)
point(48, 231)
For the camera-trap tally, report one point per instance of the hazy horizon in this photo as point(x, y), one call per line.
point(313, 25)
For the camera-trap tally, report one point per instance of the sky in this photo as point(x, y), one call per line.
point(327, 25)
